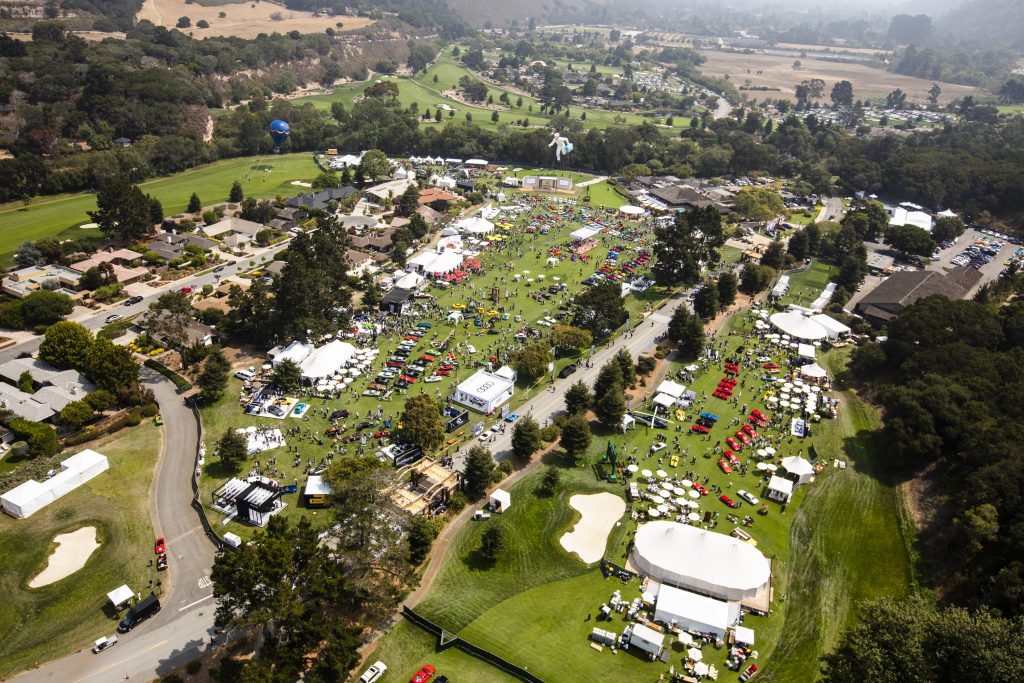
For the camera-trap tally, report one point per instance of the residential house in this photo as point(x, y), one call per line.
point(233, 225)
point(56, 388)
point(170, 246)
point(358, 261)
point(121, 260)
point(22, 282)
point(195, 332)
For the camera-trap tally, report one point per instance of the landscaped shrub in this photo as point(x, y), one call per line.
point(550, 433)
point(149, 410)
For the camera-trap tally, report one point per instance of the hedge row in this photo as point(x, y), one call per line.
point(179, 381)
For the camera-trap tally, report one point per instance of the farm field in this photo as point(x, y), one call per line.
point(243, 19)
point(842, 539)
point(42, 623)
point(777, 72)
point(60, 215)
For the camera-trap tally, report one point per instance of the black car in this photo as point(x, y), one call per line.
point(567, 370)
point(139, 613)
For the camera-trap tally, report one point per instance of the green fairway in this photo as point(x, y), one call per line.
point(805, 286)
point(842, 538)
point(409, 647)
point(51, 621)
point(58, 216)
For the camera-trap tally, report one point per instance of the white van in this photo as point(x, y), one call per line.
point(245, 375)
point(373, 674)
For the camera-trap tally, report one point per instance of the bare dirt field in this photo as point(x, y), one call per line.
point(243, 19)
point(777, 72)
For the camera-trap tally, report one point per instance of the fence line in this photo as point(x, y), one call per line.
point(446, 639)
point(197, 503)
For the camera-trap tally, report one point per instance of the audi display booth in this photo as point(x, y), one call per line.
point(485, 391)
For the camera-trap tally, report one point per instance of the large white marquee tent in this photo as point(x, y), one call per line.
point(692, 612)
point(32, 496)
point(703, 561)
point(326, 360)
point(475, 225)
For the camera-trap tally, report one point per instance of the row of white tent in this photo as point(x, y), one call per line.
point(450, 161)
point(316, 363)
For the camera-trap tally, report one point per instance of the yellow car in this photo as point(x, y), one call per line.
point(458, 307)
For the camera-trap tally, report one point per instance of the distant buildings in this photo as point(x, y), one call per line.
point(903, 288)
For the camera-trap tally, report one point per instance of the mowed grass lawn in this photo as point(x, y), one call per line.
point(841, 539)
point(59, 216)
point(228, 413)
point(806, 286)
point(42, 623)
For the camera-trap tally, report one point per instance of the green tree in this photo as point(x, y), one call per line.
point(421, 422)
point(728, 283)
point(608, 377)
point(76, 414)
point(578, 398)
point(758, 203)
point(799, 245)
point(409, 202)
point(947, 228)
point(526, 438)
point(549, 483)
point(575, 437)
point(774, 256)
point(325, 181)
point(101, 400)
point(26, 383)
point(492, 542)
point(66, 345)
point(683, 247)
point(842, 94)
point(44, 307)
point(705, 301)
point(569, 339)
point(755, 278)
point(600, 310)
point(213, 379)
point(194, 205)
point(479, 473)
point(123, 211)
point(421, 535)
point(156, 211)
point(374, 165)
point(611, 408)
point(686, 329)
point(27, 255)
point(287, 375)
point(233, 448)
point(41, 438)
point(236, 194)
point(531, 361)
point(910, 239)
point(625, 360)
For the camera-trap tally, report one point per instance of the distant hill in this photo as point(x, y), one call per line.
point(503, 12)
point(995, 23)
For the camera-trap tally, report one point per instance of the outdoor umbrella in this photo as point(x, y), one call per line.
point(633, 468)
point(762, 452)
point(693, 517)
point(679, 491)
point(695, 654)
point(686, 483)
point(770, 450)
point(646, 473)
point(657, 500)
point(685, 638)
point(682, 502)
point(662, 474)
point(694, 505)
point(653, 512)
point(700, 668)
point(762, 466)
point(772, 468)
point(694, 494)
point(663, 509)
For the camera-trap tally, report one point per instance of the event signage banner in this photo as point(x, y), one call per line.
point(457, 421)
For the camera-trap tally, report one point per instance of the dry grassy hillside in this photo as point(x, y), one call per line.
point(478, 12)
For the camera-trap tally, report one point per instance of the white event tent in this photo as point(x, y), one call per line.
point(28, 498)
point(780, 489)
point(326, 360)
point(692, 558)
point(799, 468)
point(475, 225)
point(692, 612)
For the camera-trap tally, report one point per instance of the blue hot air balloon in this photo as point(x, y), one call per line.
point(279, 131)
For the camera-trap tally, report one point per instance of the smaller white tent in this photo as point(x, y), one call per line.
point(673, 389)
point(744, 635)
point(583, 233)
point(814, 371)
point(805, 351)
point(120, 596)
point(799, 468)
point(475, 225)
point(500, 500)
point(296, 352)
point(28, 498)
point(780, 489)
point(646, 639)
point(628, 422)
point(510, 181)
point(664, 400)
point(444, 263)
point(326, 360)
point(948, 213)
point(693, 612)
point(410, 281)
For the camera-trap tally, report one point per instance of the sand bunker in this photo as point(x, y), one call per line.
point(599, 513)
point(70, 555)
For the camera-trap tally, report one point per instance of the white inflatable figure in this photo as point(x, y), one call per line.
point(561, 145)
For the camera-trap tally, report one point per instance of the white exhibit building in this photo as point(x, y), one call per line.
point(485, 391)
point(24, 500)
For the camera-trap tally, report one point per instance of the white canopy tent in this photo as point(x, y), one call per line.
point(500, 500)
point(28, 498)
point(673, 389)
point(475, 225)
point(632, 211)
point(120, 596)
point(664, 400)
point(646, 639)
point(780, 489)
point(583, 233)
point(799, 326)
point(813, 371)
point(692, 612)
point(805, 351)
point(833, 328)
point(296, 352)
point(705, 561)
point(326, 360)
point(744, 635)
point(799, 468)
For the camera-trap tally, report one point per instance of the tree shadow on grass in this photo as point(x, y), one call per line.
point(478, 560)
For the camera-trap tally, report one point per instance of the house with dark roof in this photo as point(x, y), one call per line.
point(320, 200)
point(903, 288)
point(170, 245)
point(396, 300)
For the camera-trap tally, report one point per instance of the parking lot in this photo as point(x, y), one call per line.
point(983, 251)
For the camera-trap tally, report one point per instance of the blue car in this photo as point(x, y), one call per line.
point(709, 416)
point(511, 417)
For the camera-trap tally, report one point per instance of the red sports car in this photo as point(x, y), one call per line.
point(731, 457)
point(728, 501)
point(724, 466)
point(423, 675)
point(699, 429)
point(158, 546)
point(734, 445)
point(742, 437)
point(699, 489)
